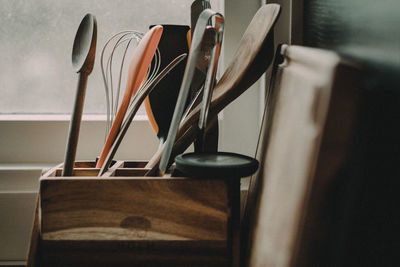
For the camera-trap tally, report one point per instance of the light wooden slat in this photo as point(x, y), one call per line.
point(145, 221)
point(133, 209)
point(308, 143)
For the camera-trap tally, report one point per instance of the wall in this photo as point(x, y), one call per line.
point(240, 123)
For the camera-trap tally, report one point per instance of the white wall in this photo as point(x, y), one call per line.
point(240, 124)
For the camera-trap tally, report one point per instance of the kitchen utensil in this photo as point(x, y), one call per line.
point(202, 64)
point(189, 71)
point(83, 56)
point(210, 141)
point(214, 164)
point(140, 63)
point(138, 99)
point(195, 10)
point(200, 72)
point(114, 54)
point(160, 103)
point(252, 58)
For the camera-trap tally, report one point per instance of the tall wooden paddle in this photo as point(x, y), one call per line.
point(83, 55)
point(140, 63)
point(252, 58)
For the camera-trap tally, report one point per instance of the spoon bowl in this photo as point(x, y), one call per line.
point(83, 55)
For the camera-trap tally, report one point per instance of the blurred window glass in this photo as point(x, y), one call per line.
point(36, 40)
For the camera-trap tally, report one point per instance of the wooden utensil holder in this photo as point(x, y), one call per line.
point(126, 219)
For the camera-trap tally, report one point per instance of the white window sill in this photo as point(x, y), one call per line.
point(12, 263)
point(58, 117)
point(41, 139)
point(24, 167)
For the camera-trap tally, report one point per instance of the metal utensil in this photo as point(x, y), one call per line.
point(213, 164)
point(114, 54)
point(252, 58)
point(189, 71)
point(202, 141)
point(210, 140)
point(83, 56)
point(195, 10)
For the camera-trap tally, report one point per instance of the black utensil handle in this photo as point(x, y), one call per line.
point(207, 140)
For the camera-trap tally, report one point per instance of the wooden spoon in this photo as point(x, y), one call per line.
point(251, 60)
point(140, 63)
point(83, 55)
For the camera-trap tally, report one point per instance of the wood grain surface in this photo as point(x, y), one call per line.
point(133, 209)
point(34, 244)
point(126, 220)
point(127, 254)
point(308, 143)
point(249, 199)
point(83, 56)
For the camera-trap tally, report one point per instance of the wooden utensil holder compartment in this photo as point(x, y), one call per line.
point(126, 219)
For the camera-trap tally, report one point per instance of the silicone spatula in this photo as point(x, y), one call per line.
point(139, 65)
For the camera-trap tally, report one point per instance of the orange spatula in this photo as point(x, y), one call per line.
point(139, 65)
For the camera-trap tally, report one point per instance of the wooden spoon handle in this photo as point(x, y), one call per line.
point(74, 126)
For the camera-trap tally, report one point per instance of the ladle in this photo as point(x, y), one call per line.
point(83, 55)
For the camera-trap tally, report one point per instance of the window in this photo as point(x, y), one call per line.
point(36, 77)
point(36, 40)
point(38, 84)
